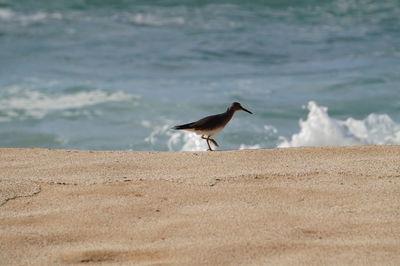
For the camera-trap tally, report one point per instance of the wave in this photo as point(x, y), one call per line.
point(319, 129)
point(174, 140)
point(154, 20)
point(21, 104)
point(9, 15)
point(249, 147)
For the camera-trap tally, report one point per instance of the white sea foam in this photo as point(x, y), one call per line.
point(270, 130)
point(18, 104)
point(249, 147)
point(155, 20)
point(319, 129)
point(186, 141)
point(7, 14)
point(175, 140)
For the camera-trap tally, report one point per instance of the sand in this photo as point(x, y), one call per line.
point(295, 206)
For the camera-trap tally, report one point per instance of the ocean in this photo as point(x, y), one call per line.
point(118, 74)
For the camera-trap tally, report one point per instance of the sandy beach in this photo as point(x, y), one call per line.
point(295, 206)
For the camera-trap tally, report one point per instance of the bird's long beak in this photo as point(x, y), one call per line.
point(244, 109)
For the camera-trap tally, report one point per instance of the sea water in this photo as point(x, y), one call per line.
point(117, 74)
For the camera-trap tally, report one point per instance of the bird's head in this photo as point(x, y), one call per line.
point(237, 106)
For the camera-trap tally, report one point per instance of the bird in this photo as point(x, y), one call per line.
point(211, 125)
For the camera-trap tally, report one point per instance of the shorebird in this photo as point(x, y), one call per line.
point(211, 125)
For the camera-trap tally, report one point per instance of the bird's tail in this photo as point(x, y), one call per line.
point(185, 126)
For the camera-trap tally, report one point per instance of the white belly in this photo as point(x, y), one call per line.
point(206, 132)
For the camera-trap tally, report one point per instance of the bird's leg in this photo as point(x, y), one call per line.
point(207, 139)
point(209, 147)
point(215, 142)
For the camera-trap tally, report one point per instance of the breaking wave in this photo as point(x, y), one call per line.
point(319, 129)
point(21, 104)
point(175, 140)
point(8, 15)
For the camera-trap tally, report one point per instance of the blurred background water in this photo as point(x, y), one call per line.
point(117, 74)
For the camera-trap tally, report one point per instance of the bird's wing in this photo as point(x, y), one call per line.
point(184, 126)
point(205, 123)
point(209, 122)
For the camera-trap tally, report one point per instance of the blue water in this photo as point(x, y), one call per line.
point(118, 74)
